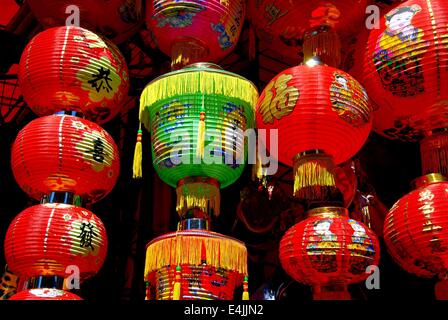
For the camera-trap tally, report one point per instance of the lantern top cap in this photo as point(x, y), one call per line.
point(328, 212)
point(314, 61)
point(203, 65)
point(427, 180)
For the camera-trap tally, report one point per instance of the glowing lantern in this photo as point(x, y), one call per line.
point(329, 251)
point(416, 228)
point(117, 20)
point(45, 239)
point(196, 31)
point(204, 265)
point(197, 117)
point(323, 117)
point(70, 68)
point(65, 153)
point(44, 294)
point(406, 75)
point(286, 25)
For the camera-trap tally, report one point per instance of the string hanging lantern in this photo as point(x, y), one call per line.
point(329, 251)
point(323, 117)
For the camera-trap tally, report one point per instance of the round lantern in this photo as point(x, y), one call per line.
point(287, 26)
point(71, 68)
point(323, 118)
point(44, 294)
point(197, 117)
point(115, 19)
point(406, 70)
point(415, 229)
point(204, 265)
point(45, 239)
point(196, 31)
point(329, 251)
point(67, 154)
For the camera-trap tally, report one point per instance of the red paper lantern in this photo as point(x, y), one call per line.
point(45, 239)
point(115, 19)
point(416, 228)
point(196, 31)
point(65, 153)
point(329, 250)
point(44, 294)
point(286, 25)
point(406, 70)
point(71, 68)
point(323, 117)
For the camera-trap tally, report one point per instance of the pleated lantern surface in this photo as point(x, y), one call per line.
point(323, 117)
point(44, 294)
point(208, 266)
point(64, 153)
point(197, 117)
point(416, 228)
point(329, 251)
point(117, 20)
point(196, 31)
point(44, 239)
point(71, 68)
point(314, 27)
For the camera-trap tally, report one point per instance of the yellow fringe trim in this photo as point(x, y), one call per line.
point(205, 197)
point(193, 81)
point(225, 253)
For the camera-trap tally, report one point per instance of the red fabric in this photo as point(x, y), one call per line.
point(45, 239)
point(70, 68)
point(406, 70)
point(312, 110)
point(65, 153)
point(216, 24)
point(328, 250)
point(415, 231)
point(45, 294)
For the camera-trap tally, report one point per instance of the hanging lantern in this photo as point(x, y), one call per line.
point(406, 71)
point(197, 117)
point(195, 265)
point(323, 117)
point(117, 20)
point(196, 31)
point(71, 68)
point(45, 239)
point(329, 251)
point(415, 229)
point(44, 294)
point(288, 26)
point(67, 154)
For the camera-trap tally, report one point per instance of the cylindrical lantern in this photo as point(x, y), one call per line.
point(288, 26)
point(71, 68)
point(65, 153)
point(115, 19)
point(406, 70)
point(196, 31)
point(329, 251)
point(197, 117)
point(415, 229)
point(204, 265)
point(323, 118)
point(45, 294)
point(45, 239)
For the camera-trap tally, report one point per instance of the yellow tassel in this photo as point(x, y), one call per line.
point(198, 193)
point(246, 288)
point(138, 154)
point(201, 136)
point(177, 284)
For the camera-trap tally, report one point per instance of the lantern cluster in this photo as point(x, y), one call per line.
point(64, 159)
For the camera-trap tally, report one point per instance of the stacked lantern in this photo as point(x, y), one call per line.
point(406, 75)
point(115, 19)
point(197, 117)
point(316, 26)
point(64, 159)
point(323, 117)
point(196, 31)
